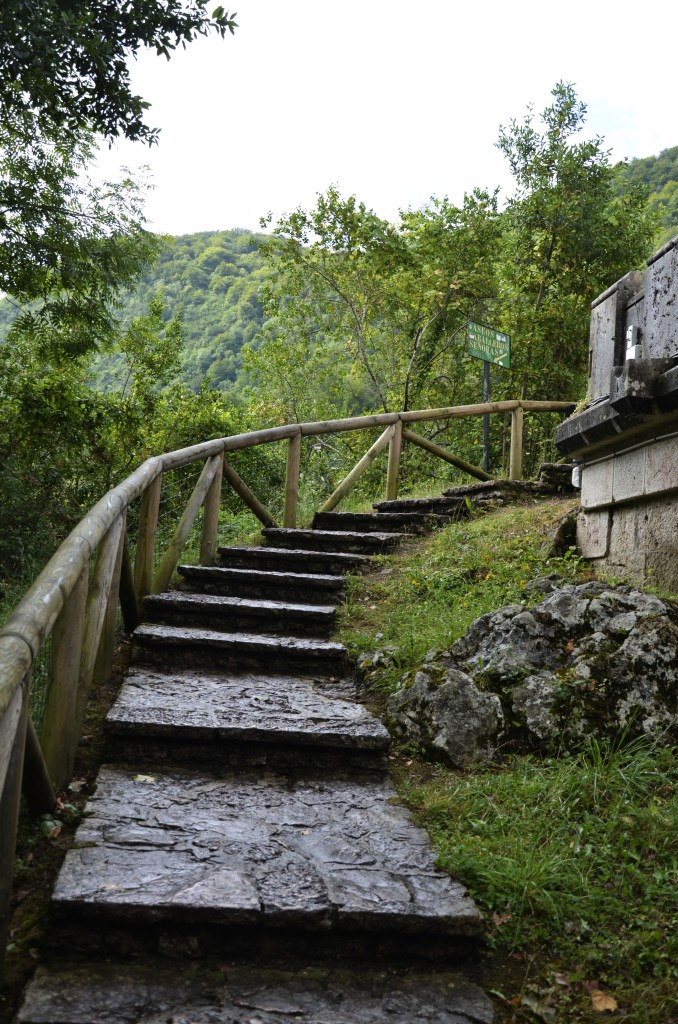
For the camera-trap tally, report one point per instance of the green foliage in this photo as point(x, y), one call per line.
point(367, 307)
point(572, 228)
point(213, 280)
point(660, 175)
point(66, 246)
point(427, 599)
point(574, 862)
point(69, 62)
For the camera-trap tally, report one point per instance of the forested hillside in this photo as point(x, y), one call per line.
point(660, 175)
point(213, 280)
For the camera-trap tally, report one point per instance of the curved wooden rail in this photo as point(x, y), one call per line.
point(76, 603)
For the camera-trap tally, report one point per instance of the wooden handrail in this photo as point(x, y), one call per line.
point(82, 613)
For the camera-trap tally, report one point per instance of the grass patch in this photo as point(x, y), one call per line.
point(572, 859)
point(574, 862)
point(428, 598)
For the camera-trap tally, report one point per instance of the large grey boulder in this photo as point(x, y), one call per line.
point(592, 659)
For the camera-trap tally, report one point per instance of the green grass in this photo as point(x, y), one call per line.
point(429, 598)
point(573, 859)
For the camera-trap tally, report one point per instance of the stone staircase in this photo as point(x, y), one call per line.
point(243, 858)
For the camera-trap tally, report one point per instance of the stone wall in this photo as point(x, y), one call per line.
point(627, 436)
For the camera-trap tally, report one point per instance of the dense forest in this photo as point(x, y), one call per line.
point(115, 344)
point(217, 283)
point(660, 175)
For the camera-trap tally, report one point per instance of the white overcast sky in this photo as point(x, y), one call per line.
point(392, 101)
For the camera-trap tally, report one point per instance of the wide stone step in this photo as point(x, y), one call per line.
point(451, 508)
point(215, 611)
point(312, 588)
point(332, 540)
point(241, 719)
point(191, 647)
point(216, 862)
point(290, 559)
point(371, 522)
point(89, 993)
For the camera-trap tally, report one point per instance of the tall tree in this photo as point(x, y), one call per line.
point(66, 246)
point(573, 227)
point(67, 62)
point(370, 305)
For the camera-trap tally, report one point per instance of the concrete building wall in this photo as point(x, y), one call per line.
point(629, 519)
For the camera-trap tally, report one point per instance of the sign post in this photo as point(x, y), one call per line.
point(492, 347)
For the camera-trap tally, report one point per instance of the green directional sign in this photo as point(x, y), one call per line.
point(488, 344)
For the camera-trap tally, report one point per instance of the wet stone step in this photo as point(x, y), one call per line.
point(451, 507)
point(227, 709)
point(215, 611)
point(155, 994)
point(367, 522)
point(333, 540)
point(191, 647)
point(258, 583)
point(291, 559)
point(200, 857)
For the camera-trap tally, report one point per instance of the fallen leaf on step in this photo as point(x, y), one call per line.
point(144, 778)
point(602, 1002)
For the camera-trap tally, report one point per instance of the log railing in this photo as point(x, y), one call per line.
point(75, 598)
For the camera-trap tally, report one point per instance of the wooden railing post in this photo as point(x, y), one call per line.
point(129, 606)
point(60, 730)
point(292, 481)
point(393, 472)
point(12, 747)
point(107, 563)
point(148, 528)
point(250, 499)
point(357, 471)
point(36, 783)
point(210, 522)
point(171, 557)
point(516, 456)
point(104, 661)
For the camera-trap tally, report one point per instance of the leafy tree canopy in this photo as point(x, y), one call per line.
point(573, 226)
point(66, 246)
point(66, 60)
point(660, 175)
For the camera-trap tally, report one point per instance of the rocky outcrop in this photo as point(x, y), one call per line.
point(591, 659)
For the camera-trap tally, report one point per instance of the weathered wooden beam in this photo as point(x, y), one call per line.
point(292, 481)
point(13, 741)
point(393, 470)
point(257, 437)
point(381, 419)
point(516, 456)
point(250, 499)
point(129, 606)
point(36, 783)
point(358, 470)
point(95, 615)
point(103, 666)
point(458, 411)
point(442, 453)
point(210, 522)
point(171, 557)
point(60, 729)
point(529, 406)
point(146, 534)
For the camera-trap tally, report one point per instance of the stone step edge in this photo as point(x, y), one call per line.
point(181, 598)
point(225, 572)
point(265, 551)
point(175, 635)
